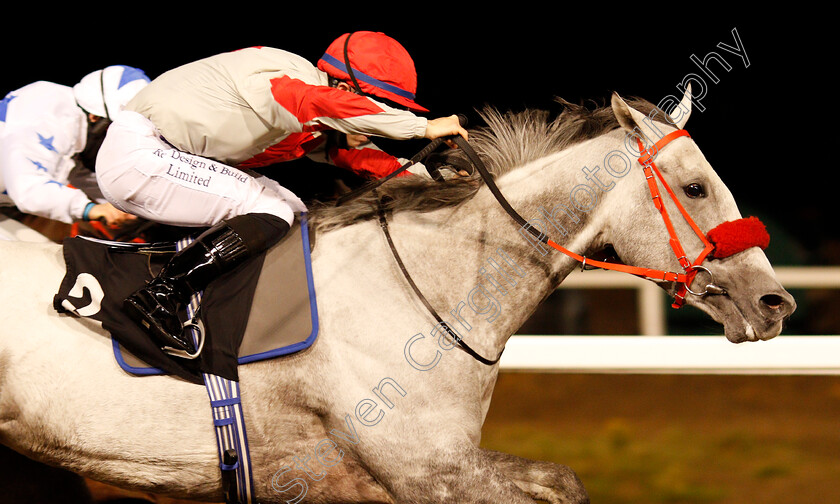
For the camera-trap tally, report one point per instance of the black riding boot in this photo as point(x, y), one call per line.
point(218, 250)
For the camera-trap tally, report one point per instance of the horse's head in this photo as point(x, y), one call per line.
point(745, 295)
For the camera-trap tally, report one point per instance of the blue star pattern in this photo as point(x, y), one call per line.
point(38, 165)
point(131, 74)
point(47, 142)
point(4, 104)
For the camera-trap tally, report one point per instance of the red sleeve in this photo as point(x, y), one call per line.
point(292, 147)
point(371, 163)
point(307, 102)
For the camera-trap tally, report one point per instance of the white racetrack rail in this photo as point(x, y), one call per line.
point(785, 354)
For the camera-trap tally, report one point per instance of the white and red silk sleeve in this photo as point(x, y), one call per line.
point(322, 107)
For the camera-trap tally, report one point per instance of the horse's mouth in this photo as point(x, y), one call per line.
point(742, 323)
point(744, 316)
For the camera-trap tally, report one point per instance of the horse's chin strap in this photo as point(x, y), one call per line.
point(383, 223)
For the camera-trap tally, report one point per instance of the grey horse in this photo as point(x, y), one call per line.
point(385, 407)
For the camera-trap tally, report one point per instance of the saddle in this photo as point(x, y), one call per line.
point(263, 309)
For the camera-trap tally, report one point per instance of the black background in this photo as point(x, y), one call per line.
point(762, 128)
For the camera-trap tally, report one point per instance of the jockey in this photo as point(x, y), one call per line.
point(49, 135)
point(176, 155)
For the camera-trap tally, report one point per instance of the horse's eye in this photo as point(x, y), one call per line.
point(694, 191)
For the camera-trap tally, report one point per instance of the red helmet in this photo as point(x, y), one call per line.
point(376, 64)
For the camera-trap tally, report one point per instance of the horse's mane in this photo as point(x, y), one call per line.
point(506, 141)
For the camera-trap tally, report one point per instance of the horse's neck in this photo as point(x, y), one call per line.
point(478, 267)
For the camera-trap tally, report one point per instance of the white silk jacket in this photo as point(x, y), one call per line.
point(41, 129)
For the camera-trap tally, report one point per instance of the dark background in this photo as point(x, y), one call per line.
point(763, 127)
point(758, 130)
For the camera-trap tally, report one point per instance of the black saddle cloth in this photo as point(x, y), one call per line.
point(274, 292)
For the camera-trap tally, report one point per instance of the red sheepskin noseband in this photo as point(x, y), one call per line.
point(736, 236)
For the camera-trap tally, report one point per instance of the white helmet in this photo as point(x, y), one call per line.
point(105, 92)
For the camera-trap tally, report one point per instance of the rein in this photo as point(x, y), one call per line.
point(383, 223)
point(371, 186)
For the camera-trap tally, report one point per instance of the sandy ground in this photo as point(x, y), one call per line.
point(678, 438)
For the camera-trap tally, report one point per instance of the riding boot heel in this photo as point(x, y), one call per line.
point(155, 308)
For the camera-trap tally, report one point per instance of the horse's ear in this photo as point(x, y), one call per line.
point(629, 118)
point(622, 112)
point(685, 105)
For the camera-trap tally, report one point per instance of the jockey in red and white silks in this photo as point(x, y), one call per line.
point(176, 154)
point(43, 127)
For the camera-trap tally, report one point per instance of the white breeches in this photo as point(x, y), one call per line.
point(139, 173)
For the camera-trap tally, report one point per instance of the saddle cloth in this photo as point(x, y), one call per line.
point(263, 309)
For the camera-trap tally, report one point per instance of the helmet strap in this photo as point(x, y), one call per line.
point(355, 82)
point(349, 68)
point(102, 88)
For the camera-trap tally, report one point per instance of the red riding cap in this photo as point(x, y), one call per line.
point(381, 66)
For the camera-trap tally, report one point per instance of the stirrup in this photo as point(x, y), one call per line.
point(190, 325)
point(142, 308)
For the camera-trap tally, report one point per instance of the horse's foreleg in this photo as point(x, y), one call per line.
point(462, 474)
point(555, 483)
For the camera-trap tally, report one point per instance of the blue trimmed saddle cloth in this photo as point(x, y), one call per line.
point(263, 309)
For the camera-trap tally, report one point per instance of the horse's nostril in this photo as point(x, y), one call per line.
point(773, 301)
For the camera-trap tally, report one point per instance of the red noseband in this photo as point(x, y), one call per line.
point(736, 236)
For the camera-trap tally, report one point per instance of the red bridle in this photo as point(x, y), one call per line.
point(746, 234)
point(724, 240)
point(757, 235)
